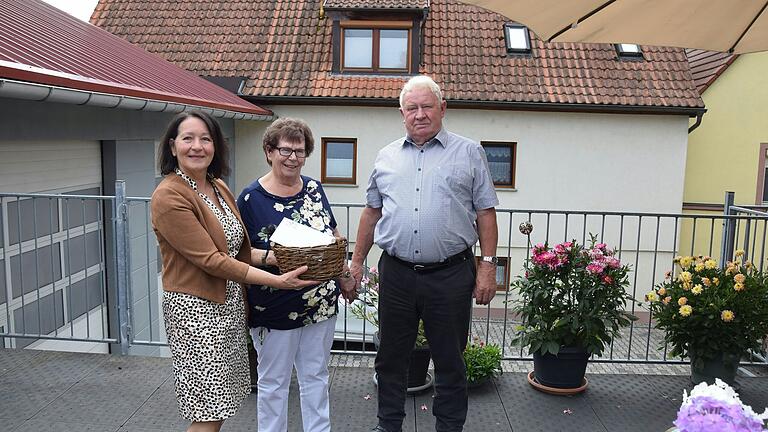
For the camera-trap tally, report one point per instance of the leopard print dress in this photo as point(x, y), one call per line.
point(208, 339)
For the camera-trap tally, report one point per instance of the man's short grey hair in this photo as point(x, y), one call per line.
point(421, 81)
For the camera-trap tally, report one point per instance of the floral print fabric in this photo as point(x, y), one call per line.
point(261, 212)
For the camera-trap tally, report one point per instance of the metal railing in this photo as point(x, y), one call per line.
point(123, 290)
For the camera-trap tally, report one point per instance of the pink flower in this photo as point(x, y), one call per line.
point(607, 279)
point(595, 267)
point(601, 246)
point(612, 262)
point(373, 270)
point(596, 254)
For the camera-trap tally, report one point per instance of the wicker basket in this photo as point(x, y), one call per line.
point(324, 262)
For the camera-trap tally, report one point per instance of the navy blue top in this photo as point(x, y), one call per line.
point(261, 212)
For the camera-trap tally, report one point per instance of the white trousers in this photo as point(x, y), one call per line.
point(308, 349)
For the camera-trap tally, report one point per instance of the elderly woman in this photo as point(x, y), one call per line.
point(290, 328)
point(206, 255)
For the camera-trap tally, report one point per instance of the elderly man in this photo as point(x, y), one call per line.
point(429, 198)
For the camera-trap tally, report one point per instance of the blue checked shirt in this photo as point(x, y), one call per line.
point(430, 196)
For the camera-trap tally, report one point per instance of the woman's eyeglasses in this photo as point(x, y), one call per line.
point(286, 152)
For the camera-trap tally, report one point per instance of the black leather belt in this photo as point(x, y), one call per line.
point(428, 267)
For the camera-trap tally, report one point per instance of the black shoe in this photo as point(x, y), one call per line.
point(378, 429)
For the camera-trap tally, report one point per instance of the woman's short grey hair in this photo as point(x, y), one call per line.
point(421, 81)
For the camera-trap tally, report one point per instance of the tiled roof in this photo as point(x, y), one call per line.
point(43, 45)
point(706, 66)
point(376, 4)
point(284, 48)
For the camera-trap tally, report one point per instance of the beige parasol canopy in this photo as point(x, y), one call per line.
point(738, 26)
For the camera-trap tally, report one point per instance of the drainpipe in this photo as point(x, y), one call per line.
point(697, 123)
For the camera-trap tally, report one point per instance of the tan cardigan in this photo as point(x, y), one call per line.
point(192, 242)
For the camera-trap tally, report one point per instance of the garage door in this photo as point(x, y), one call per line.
point(51, 253)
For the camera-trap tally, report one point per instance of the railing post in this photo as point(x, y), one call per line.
point(121, 266)
point(729, 230)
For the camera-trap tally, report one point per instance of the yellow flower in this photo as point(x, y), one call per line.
point(666, 300)
point(706, 282)
point(686, 262)
point(748, 265)
point(710, 264)
point(699, 267)
point(731, 269)
point(685, 310)
point(682, 301)
point(697, 290)
point(677, 259)
point(739, 253)
point(651, 296)
point(687, 286)
point(738, 286)
point(716, 281)
point(685, 276)
point(662, 291)
point(726, 316)
point(740, 278)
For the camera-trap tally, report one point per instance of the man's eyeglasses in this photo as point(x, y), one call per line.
point(286, 152)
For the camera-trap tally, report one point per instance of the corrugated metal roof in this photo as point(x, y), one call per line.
point(41, 44)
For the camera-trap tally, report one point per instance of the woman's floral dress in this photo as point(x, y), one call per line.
point(262, 212)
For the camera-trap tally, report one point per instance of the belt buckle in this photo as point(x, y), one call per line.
point(417, 267)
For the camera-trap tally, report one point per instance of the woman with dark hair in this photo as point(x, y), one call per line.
point(291, 329)
point(206, 255)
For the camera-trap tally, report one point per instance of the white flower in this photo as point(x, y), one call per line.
point(323, 291)
point(311, 302)
point(331, 284)
point(318, 206)
point(326, 220)
point(293, 316)
point(312, 184)
point(259, 308)
point(317, 223)
point(246, 197)
point(279, 207)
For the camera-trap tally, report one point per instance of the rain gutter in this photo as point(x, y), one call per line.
point(50, 93)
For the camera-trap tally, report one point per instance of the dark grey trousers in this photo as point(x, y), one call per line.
point(442, 298)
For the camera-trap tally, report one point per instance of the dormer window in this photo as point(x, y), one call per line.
point(517, 38)
point(374, 46)
point(631, 51)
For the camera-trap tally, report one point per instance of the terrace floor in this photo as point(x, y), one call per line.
point(60, 392)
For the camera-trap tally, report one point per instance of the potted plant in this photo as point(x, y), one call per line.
point(711, 314)
point(366, 307)
point(483, 362)
point(571, 301)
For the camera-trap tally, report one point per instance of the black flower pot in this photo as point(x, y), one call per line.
point(564, 370)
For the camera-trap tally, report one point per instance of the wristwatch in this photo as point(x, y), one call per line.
point(490, 259)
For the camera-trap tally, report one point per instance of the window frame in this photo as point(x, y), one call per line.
point(762, 166)
point(324, 178)
point(507, 40)
point(513, 163)
point(629, 55)
point(376, 27)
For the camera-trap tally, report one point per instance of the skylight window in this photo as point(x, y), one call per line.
point(517, 38)
point(629, 50)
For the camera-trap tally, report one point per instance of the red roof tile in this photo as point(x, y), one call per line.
point(706, 66)
point(41, 44)
point(285, 44)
